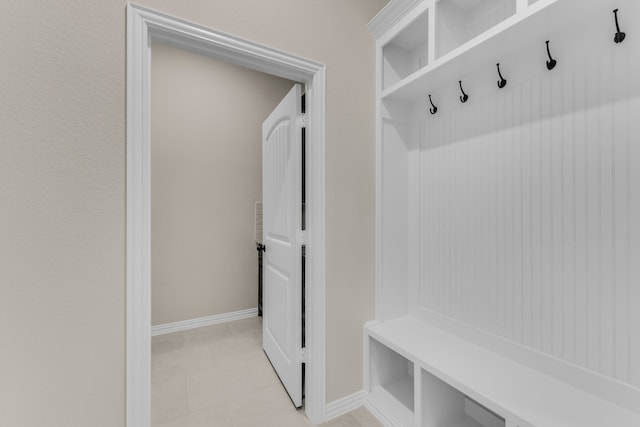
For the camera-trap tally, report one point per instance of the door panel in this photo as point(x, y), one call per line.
point(281, 195)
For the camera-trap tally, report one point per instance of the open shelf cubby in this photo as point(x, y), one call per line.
point(392, 379)
point(407, 52)
point(458, 21)
point(443, 405)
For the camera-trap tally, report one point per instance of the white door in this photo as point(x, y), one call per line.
point(282, 198)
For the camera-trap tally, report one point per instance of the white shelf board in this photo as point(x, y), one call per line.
point(402, 389)
point(504, 386)
point(532, 24)
point(401, 414)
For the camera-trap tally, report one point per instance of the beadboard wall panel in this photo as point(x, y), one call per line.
point(529, 209)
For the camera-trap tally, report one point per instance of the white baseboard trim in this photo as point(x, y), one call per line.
point(343, 405)
point(379, 412)
point(184, 325)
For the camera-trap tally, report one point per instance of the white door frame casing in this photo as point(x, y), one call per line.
point(144, 26)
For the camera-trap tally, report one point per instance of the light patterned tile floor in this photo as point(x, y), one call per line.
point(218, 376)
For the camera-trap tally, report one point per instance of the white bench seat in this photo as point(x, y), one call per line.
point(523, 396)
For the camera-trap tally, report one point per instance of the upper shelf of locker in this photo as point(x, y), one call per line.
point(437, 42)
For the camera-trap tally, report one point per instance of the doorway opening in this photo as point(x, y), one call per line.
point(214, 158)
point(143, 27)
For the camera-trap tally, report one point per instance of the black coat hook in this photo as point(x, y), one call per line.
point(464, 98)
point(503, 82)
point(619, 37)
point(551, 63)
point(434, 109)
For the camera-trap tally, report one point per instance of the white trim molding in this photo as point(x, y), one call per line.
point(380, 412)
point(185, 325)
point(393, 12)
point(143, 27)
point(344, 405)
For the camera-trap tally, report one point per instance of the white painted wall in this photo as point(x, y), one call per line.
point(62, 181)
point(206, 175)
point(62, 308)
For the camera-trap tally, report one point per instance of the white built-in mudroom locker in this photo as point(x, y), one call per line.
point(508, 214)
